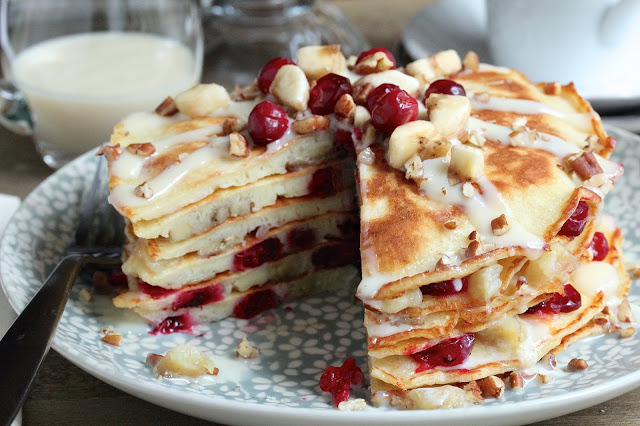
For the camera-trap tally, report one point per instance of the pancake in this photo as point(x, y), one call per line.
point(239, 201)
point(191, 160)
point(277, 242)
point(234, 230)
point(516, 342)
point(250, 302)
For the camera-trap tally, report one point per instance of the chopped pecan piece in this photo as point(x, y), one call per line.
point(143, 190)
point(101, 283)
point(238, 145)
point(491, 387)
point(450, 224)
point(577, 364)
point(167, 108)
point(110, 152)
point(112, 339)
point(500, 226)
point(473, 391)
point(152, 359)
point(361, 93)
point(246, 350)
point(231, 125)
point(474, 248)
point(345, 107)
point(586, 165)
point(624, 311)
point(516, 380)
point(311, 124)
point(141, 149)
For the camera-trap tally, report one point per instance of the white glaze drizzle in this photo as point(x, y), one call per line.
point(481, 209)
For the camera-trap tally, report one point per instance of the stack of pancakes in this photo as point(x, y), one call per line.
point(431, 230)
point(463, 243)
point(219, 235)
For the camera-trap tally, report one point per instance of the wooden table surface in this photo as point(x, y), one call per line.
point(64, 394)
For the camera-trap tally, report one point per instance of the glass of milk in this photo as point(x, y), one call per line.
point(82, 65)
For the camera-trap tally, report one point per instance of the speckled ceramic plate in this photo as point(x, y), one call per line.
point(297, 341)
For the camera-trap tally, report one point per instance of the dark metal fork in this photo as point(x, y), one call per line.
point(98, 240)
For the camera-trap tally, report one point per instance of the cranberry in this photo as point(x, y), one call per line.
point(324, 182)
point(394, 109)
point(325, 94)
point(254, 303)
point(567, 302)
point(269, 71)
point(117, 278)
point(576, 223)
point(301, 239)
point(445, 288)
point(376, 50)
point(199, 297)
point(344, 141)
point(447, 353)
point(350, 228)
point(445, 87)
point(599, 246)
point(357, 132)
point(154, 291)
point(180, 323)
point(338, 380)
point(335, 255)
point(379, 92)
point(267, 122)
point(265, 251)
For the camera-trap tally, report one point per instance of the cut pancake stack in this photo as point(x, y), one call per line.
point(477, 238)
point(218, 234)
point(482, 241)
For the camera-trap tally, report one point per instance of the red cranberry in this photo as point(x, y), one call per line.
point(376, 50)
point(154, 291)
point(255, 303)
point(269, 71)
point(117, 278)
point(357, 132)
point(445, 87)
point(177, 324)
point(445, 288)
point(324, 182)
point(567, 302)
point(267, 122)
point(576, 223)
point(447, 353)
point(599, 246)
point(338, 380)
point(265, 251)
point(325, 94)
point(394, 109)
point(378, 93)
point(335, 255)
point(344, 141)
point(301, 239)
point(199, 297)
point(350, 228)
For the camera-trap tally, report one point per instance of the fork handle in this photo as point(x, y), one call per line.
point(24, 346)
